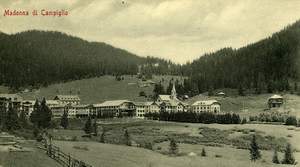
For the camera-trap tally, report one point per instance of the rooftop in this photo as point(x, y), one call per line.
point(14, 97)
point(67, 97)
point(205, 102)
point(112, 103)
point(276, 97)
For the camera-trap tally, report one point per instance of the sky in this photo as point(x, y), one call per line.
point(178, 30)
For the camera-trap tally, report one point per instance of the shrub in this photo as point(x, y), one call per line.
point(148, 145)
point(275, 159)
point(288, 155)
point(254, 150)
point(244, 120)
point(218, 156)
point(173, 147)
point(203, 152)
point(291, 120)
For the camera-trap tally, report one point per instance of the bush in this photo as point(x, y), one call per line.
point(142, 93)
point(288, 155)
point(275, 159)
point(203, 152)
point(218, 156)
point(291, 120)
point(148, 145)
point(244, 120)
point(173, 147)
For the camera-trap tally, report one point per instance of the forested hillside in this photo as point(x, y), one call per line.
point(271, 64)
point(36, 58)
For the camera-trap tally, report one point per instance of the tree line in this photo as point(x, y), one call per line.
point(192, 117)
point(39, 58)
point(269, 65)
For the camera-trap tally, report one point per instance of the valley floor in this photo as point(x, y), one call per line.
point(219, 154)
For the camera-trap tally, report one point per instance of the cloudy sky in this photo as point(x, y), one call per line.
point(180, 30)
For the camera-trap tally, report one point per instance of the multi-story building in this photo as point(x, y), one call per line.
point(170, 103)
point(115, 108)
point(78, 111)
point(67, 99)
point(11, 99)
point(206, 106)
point(27, 106)
point(143, 108)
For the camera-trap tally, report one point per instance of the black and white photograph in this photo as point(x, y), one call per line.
point(149, 83)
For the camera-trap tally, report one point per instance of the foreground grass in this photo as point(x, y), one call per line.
point(107, 155)
point(34, 158)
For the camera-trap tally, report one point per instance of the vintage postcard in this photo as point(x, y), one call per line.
point(149, 83)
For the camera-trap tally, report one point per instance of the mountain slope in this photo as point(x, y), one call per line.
point(35, 58)
point(270, 64)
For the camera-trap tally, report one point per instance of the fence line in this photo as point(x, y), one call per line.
point(66, 160)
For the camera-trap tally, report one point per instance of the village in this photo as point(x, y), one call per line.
point(119, 108)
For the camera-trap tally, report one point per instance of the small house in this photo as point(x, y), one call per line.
point(275, 101)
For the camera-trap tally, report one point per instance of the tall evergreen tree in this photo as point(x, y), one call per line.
point(127, 140)
point(203, 152)
point(275, 159)
point(34, 116)
point(254, 150)
point(64, 122)
point(102, 137)
point(288, 155)
point(45, 115)
point(88, 126)
point(12, 119)
point(95, 127)
point(23, 120)
point(158, 89)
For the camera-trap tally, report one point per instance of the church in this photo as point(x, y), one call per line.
point(170, 103)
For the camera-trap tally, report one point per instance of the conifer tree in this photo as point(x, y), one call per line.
point(45, 115)
point(88, 126)
point(288, 155)
point(34, 116)
point(203, 152)
point(127, 138)
point(241, 91)
point(64, 122)
point(23, 120)
point(173, 147)
point(275, 159)
point(12, 119)
point(95, 127)
point(254, 150)
point(102, 137)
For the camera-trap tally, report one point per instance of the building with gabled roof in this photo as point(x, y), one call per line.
point(275, 101)
point(11, 99)
point(68, 99)
point(143, 108)
point(114, 108)
point(206, 106)
point(170, 103)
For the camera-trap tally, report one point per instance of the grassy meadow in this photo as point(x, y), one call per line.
point(96, 90)
point(33, 158)
point(226, 145)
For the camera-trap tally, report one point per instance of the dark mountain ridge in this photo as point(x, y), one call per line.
point(271, 64)
point(35, 58)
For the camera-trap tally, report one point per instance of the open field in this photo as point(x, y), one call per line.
point(33, 158)
point(222, 143)
point(95, 90)
point(108, 155)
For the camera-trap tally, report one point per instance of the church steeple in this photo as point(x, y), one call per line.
point(173, 92)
